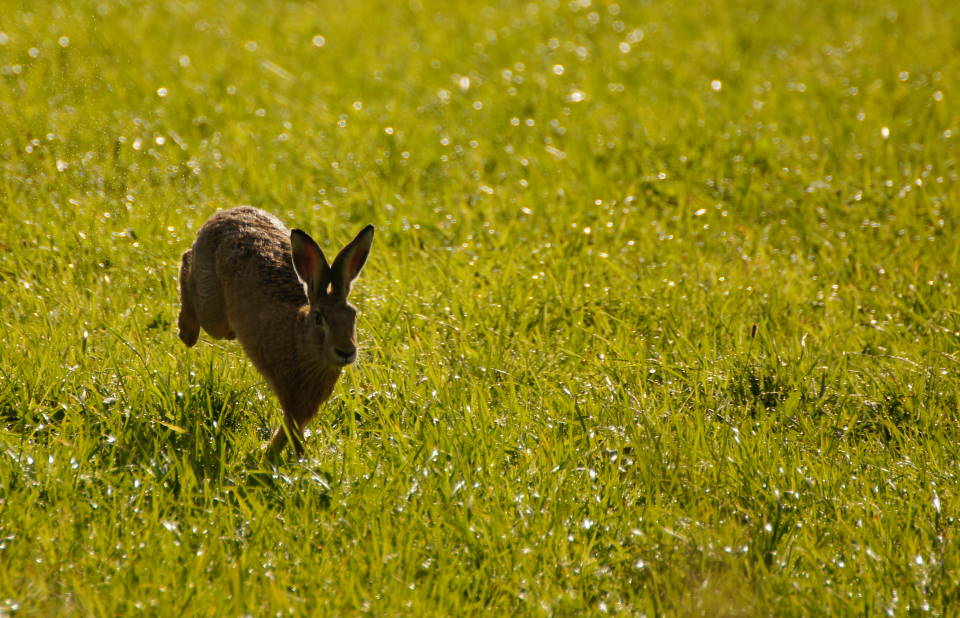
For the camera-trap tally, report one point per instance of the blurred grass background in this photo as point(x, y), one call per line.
point(660, 317)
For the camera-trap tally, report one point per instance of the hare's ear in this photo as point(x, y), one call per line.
point(348, 263)
point(311, 266)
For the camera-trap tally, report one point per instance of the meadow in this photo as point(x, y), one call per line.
point(660, 317)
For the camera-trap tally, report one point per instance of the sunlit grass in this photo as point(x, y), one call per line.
point(660, 316)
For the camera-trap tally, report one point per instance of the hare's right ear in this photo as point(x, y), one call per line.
point(310, 264)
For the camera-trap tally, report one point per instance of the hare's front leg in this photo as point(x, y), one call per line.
point(291, 430)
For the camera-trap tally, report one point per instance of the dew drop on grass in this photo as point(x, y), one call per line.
point(11, 605)
point(319, 40)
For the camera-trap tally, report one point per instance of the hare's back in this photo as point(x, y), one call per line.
point(250, 251)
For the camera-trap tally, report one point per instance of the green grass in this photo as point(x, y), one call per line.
point(660, 317)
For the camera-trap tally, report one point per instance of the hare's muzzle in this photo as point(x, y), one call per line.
point(345, 355)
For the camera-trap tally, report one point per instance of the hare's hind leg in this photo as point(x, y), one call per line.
point(189, 326)
point(206, 296)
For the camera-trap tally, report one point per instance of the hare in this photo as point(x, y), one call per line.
point(248, 277)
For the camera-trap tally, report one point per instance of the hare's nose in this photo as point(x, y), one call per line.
point(346, 355)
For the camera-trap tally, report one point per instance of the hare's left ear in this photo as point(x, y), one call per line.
point(309, 264)
point(350, 261)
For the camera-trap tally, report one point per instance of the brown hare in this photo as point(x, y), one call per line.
point(249, 277)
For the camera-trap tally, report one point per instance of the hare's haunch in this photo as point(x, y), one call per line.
point(248, 277)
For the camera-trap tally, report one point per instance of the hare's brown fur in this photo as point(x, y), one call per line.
point(239, 280)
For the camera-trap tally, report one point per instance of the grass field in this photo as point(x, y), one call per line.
point(660, 318)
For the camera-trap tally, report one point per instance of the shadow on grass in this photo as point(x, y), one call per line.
point(195, 443)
